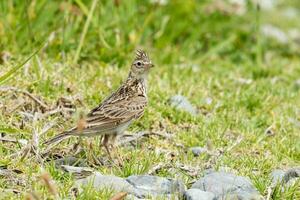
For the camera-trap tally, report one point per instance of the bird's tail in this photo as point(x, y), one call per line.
point(58, 138)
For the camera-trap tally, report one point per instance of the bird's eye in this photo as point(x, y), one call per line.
point(139, 64)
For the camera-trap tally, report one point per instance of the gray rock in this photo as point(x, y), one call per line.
point(273, 32)
point(70, 160)
point(266, 4)
point(297, 83)
point(78, 172)
point(132, 197)
point(277, 176)
point(284, 176)
point(197, 151)
point(291, 12)
point(138, 187)
point(146, 185)
point(225, 185)
point(181, 103)
point(100, 181)
point(196, 194)
point(294, 122)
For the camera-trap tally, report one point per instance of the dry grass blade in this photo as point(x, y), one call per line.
point(85, 29)
point(11, 177)
point(31, 196)
point(9, 74)
point(156, 168)
point(47, 180)
point(119, 196)
point(35, 99)
point(8, 139)
point(78, 172)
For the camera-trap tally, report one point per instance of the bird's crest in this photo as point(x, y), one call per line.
point(141, 55)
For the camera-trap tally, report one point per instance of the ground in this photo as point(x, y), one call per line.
point(244, 83)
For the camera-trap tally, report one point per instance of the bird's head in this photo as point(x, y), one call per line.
point(141, 64)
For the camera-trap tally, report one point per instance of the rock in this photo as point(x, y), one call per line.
point(271, 31)
point(100, 181)
point(207, 101)
point(285, 176)
point(277, 176)
point(138, 187)
point(197, 151)
point(297, 82)
point(291, 13)
point(196, 194)
point(225, 185)
point(240, 6)
point(155, 186)
point(159, 2)
point(294, 122)
point(294, 35)
point(78, 172)
point(265, 4)
point(181, 103)
point(70, 160)
point(244, 81)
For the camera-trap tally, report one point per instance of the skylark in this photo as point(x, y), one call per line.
point(119, 110)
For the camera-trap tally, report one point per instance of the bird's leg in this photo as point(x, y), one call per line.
point(115, 148)
point(105, 144)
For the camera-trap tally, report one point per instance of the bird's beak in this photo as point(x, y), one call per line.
point(150, 65)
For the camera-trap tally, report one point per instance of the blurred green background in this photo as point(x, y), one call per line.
point(236, 61)
point(179, 30)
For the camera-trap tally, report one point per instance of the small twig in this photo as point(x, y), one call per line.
point(35, 99)
point(85, 29)
point(119, 196)
point(269, 193)
point(158, 167)
point(216, 155)
point(237, 142)
point(8, 139)
point(129, 138)
point(50, 185)
point(191, 171)
point(14, 108)
point(26, 114)
point(47, 127)
point(57, 110)
point(47, 113)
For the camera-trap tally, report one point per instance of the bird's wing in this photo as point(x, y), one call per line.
point(115, 111)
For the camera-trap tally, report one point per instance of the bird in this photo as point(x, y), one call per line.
point(116, 112)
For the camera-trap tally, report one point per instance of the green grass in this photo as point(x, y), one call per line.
point(197, 54)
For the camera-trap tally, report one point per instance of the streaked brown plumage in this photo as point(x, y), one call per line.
point(117, 111)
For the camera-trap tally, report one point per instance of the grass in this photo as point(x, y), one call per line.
point(198, 54)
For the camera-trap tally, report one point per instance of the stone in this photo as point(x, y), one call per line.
point(146, 185)
point(285, 176)
point(271, 31)
point(181, 103)
point(225, 185)
point(197, 151)
point(297, 82)
point(196, 194)
point(70, 160)
point(78, 172)
point(100, 181)
point(277, 176)
point(291, 12)
point(132, 197)
point(266, 4)
point(139, 187)
point(294, 122)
